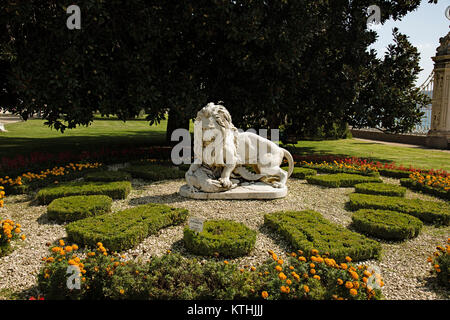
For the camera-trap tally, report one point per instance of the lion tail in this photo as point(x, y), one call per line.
point(290, 160)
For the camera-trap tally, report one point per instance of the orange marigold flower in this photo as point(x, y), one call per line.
point(282, 276)
point(348, 285)
point(340, 281)
point(316, 277)
point(264, 294)
point(278, 268)
point(353, 292)
point(348, 259)
point(306, 288)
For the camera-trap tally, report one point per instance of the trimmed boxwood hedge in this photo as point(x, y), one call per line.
point(107, 176)
point(153, 172)
point(428, 211)
point(414, 185)
point(115, 190)
point(223, 237)
point(307, 230)
point(381, 188)
point(394, 173)
point(78, 207)
point(385, 224)
point(301, 173)
point(124, 229)
point(333, 169)
point(340, 180)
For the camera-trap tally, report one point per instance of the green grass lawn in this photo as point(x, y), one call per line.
point(33, 135)
point(417, 157)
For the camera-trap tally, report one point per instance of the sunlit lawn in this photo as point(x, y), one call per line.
point(417, 157)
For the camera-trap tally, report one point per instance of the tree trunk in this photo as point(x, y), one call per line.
point(176, 120)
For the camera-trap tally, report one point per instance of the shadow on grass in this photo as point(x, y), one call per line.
point(14, 146)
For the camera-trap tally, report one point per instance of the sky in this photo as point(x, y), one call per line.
point(424, 26)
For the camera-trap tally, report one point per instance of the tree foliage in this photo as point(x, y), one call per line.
point(298, 63)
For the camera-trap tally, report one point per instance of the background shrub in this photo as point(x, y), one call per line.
point(107, 176)
point(301, 173)
point(223, 237)
point(307, 230)
point(124, 229)
point(380, 188)
point(153, 172)
point(340, 180)
point(427, 211)
point(385, 224)
point(115, 190)
point(78, 207)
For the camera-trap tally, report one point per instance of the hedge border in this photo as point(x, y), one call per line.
point(437, 213)
point(380, 189)
point(115, 190)
point(125, 229)
point(385, 224)
point(341, 180)
point(78, 207)
point(307, 230)
point(236, 239)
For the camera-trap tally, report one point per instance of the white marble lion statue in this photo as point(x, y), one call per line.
point(219, 145)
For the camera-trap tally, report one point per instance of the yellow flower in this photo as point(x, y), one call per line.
point(339, 281)
point(306, 288)
point(349, 285)
point(278, 268)
point(122, 291)
point(288, 282)
point(353, 292)
point(282, 276)
point(316, 277)
point(348, 259)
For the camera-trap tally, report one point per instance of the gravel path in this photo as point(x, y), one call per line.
point(403, 265)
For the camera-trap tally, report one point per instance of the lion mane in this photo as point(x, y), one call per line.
point(227, 139)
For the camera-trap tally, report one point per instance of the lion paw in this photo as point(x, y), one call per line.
point(226, 183)
point(277, 185)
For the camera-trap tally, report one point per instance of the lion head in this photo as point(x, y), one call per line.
point(213, 124)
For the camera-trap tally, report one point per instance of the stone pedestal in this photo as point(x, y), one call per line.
point(439, 135)
point(256, 190)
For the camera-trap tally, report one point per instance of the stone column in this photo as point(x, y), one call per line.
point(439, 135)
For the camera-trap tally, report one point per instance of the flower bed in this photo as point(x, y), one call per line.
point(381, 189)
point(31, 181)
point(9, 231)
point(428, 211)
point(2, 195)
point(384, 224)
point(308, 229)
point(342, 167)
point(110, 276)
point(78, 207)
point(220, 238)
point(115, 190)
point(340, 180)
point(125, 229)
point(441, 264)
point(438, 186)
